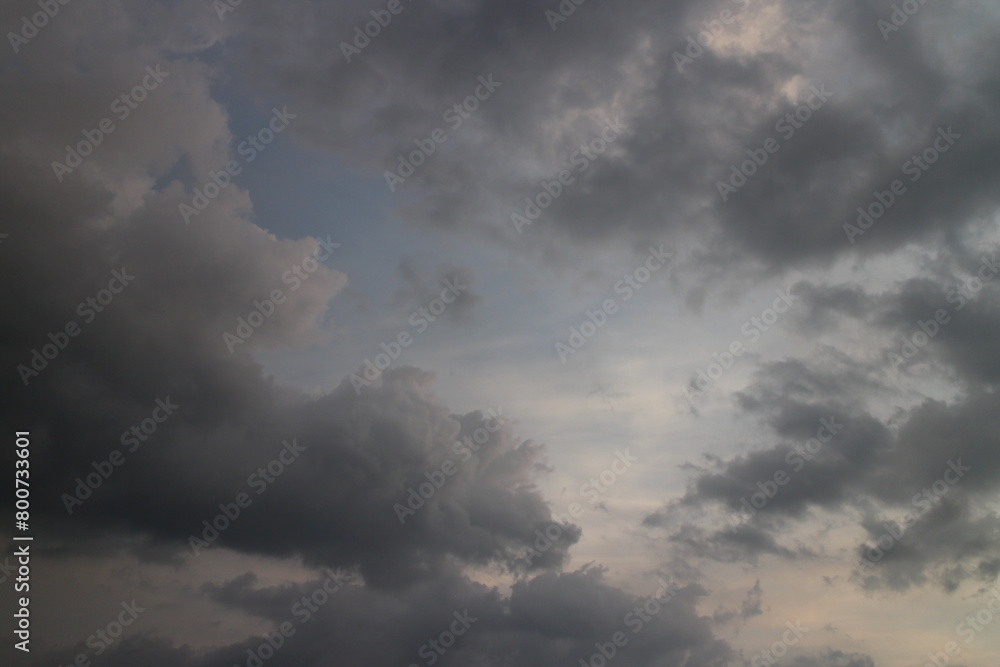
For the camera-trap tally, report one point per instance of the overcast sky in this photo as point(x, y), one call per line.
point(496, 334)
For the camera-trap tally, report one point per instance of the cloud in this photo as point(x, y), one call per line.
point(419, 289)
point(383, 480)
point(162, 337)
point(551, 618)
point(685, 129)
point(933, 464)
point(749, 607)
point(834, 658)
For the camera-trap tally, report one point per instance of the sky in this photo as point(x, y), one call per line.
point(495, 334)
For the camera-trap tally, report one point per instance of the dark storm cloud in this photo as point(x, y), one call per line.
point(360, 456)
point(365, 453)
point(962, 343)
point(874, 460)
point(685, 129)
point(955, 306)
point(794, 399)
point(933, 460)
point(162, 338)
point(551, 619)
point(945, 544)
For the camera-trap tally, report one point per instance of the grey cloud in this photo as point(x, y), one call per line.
point(945, 545)
point(684, 129)
point(420, 288)
point(868, 464)
point(163, 336)
point(366, 450)
point(530, 628)
point(749, 607)
point(833, 658)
